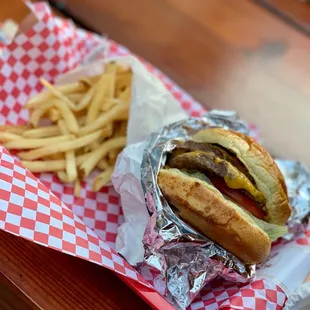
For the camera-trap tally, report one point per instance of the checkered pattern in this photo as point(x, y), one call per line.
point(85, 227)
point(260, 294)
point(30, 210)
point(100, 211)
point(52, 47)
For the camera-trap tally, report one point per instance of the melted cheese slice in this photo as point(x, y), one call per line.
point(237, 180)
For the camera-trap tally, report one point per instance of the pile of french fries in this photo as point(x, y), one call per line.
point(75, 128)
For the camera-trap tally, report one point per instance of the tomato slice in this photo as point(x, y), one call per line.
point(238, 197)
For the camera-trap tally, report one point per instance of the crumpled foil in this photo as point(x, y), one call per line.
point(180, 258)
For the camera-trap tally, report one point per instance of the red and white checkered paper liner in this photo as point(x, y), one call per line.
point(42, 209)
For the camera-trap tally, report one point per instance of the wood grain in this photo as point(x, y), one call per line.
point(12, 298)
point(47, 279)
point(296, 13)
point(227, 54)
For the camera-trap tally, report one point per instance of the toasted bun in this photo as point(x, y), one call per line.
point(261, 166)
point(203, 207)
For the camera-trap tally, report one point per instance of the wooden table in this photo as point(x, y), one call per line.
point(296, 13)
point(227, 54)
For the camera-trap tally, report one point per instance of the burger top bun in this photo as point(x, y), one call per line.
point(261, 167)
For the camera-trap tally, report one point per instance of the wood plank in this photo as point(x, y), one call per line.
point(11, 298)
point(294, 12)
point(51, 280)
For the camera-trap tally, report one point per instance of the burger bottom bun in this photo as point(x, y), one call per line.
point(204, 208)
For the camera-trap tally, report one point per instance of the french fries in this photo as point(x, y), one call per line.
point(119, 112)
point(43, 132)
point(20, 144)
point(60, 147)
point(57, 93)
point(101, 152)
point(75, 128)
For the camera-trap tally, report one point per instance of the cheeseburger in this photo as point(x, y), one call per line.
point(228, 187)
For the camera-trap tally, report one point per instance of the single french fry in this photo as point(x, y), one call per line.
point(42, 132)
point(60, 147)
point(85, 100)
point(110, 84)
point(100, 92)
point(86, 167)
point(119, 112)
point(51, 165)
point(19, 129)
point(77, 187)
point(67, 115)
point(22, 143)
point(57, 93)
point(102, 179)
point(7, 136)
point(36, 115)
point(67, 89)
point(54, 115)
point(44, 165)
point(111, 68)
point(70, 155)
point(102, 164)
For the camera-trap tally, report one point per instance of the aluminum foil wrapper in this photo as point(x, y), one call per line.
point(179, 258)
point(297, 179)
